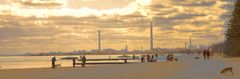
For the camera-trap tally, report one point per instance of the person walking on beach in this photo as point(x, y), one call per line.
point(148, 58)
point(204, 54)
point(142, 59)
point(53, 62)
point(152, 58)
point(208, 53)
point(74, 62)
point(84, 61)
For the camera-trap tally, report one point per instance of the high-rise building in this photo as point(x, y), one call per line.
point(126, 49)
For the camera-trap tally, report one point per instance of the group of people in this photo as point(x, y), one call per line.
point(149, 58)
point(170, 57)
point(207, 54)
point(82, 58)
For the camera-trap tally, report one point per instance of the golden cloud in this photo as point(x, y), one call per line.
point(77, 27)
point(40, 3)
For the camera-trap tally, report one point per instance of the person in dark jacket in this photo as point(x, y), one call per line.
point(84, 61)
point(204, 54)
point(148, 58)
point(208, 53)
point(142, 59)
point(53, 62)
point(152, 58)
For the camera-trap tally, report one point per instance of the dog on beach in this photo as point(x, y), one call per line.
point(227, 70)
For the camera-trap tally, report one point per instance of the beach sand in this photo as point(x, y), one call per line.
point(186, 68)
point(232, 62)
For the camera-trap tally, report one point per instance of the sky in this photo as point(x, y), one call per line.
point(66, 25)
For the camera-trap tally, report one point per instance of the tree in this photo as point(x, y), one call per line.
point(233, 32)
point(218, 47)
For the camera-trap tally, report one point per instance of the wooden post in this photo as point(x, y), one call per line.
point(125, 61)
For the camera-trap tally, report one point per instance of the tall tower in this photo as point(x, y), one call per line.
point(99, 40)
point(190, 43)
point(185, 45)
point(126, 49)
point(151, 37)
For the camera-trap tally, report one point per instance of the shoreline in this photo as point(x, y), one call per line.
point(22, 62)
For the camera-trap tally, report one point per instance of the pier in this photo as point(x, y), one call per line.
point(124, 61)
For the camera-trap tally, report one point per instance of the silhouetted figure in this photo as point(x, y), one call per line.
point(170, 57)
point(205, 54)
point(156, 55)
point(152, 58)
point(83, 61)
point(208, 54)
point(74, 62)
point(53, 62)
point(142, 59)
point(133, 57)
point(148, 58)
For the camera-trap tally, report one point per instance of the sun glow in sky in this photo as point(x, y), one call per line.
point(66, 25)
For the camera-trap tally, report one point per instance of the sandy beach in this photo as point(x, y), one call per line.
point(186, 68)
point(119, 39)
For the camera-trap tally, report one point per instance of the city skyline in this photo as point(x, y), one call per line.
point(65, 25)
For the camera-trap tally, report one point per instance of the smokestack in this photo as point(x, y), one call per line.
point(99, 40)
point(190, 43)
point(185, 45)
point(151, 37)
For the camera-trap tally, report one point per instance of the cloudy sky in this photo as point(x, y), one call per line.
point(66, 25)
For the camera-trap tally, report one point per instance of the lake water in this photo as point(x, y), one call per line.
point(18, 62)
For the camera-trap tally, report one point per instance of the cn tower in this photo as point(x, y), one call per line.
point(99, 40)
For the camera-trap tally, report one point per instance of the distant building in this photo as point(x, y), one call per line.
point(109, 50)
point(125, 50)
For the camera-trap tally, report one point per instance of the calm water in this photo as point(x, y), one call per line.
point(18, 62)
